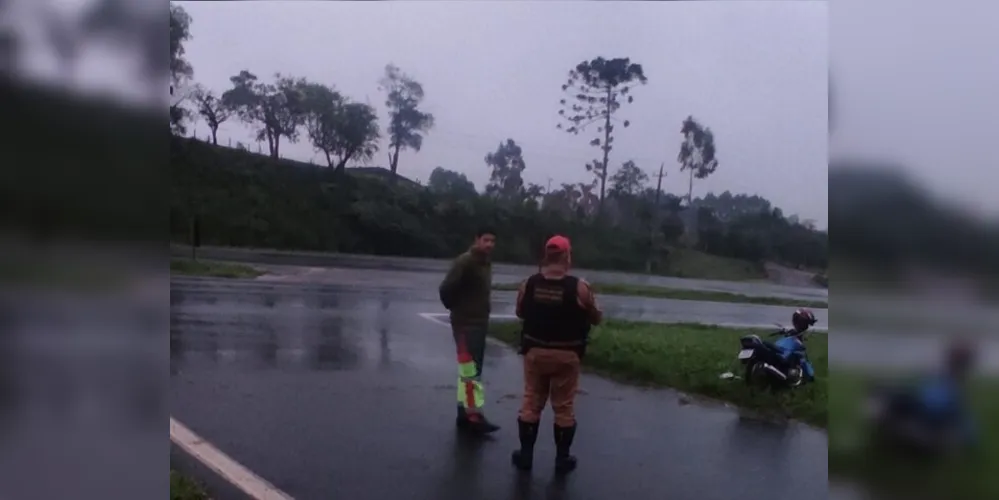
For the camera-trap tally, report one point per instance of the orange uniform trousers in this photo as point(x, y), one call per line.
point(550, 375)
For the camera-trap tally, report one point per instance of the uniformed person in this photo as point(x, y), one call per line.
point(557, 310)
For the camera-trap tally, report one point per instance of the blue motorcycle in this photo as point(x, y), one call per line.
point(780, 365)
point(927, 418)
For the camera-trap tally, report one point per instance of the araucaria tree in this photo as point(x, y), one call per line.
point(407, 124)
point(697, 153)
point(597, 89)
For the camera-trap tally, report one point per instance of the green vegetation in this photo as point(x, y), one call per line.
point(680, 294)
point(616, 221)
point(690, 358)
point(182, 488)
point(970, 477)
point(213, 269)
point(692, 263)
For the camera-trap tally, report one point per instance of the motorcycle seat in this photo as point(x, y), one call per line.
point(770, 345)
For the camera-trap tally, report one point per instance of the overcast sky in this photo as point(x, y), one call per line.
point(755, 72)
point(917, 83)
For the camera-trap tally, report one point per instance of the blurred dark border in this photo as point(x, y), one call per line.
point(82, 167)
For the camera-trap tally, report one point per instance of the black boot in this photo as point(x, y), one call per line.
point(480, 425)
point(461, 421)
point(523, 458)
point(564, 462)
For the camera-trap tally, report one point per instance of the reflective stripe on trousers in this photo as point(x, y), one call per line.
point(471, 395)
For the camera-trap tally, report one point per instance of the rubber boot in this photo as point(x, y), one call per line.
point(564, 462)
point(461, 421)
point(523, 458)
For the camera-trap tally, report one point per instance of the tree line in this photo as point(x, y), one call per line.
point(619, 203)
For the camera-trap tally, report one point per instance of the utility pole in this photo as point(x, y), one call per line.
point(654, 220)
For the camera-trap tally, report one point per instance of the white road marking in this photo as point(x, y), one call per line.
point(440, 319)
point(230, 470)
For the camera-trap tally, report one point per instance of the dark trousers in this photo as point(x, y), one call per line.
point(470, 346)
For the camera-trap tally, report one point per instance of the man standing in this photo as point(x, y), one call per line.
point(558, 310)
point(466, 292)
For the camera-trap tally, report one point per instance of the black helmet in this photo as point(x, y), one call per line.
point(802, 319)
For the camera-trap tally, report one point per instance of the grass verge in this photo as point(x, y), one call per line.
point(969, 477)
point(689, 263)
point(690, 358)
point(680, 294)
point(182, 488)
point(212, 269)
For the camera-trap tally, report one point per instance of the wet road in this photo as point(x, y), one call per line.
point(422, 286)
point(503, 273)
point(345, 391)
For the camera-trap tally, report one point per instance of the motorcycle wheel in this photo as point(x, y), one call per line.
point(755, 376)
point(796, 377)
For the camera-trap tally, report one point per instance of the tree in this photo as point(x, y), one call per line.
point(507, 164)
point(448, 181)
point(596, 90)
point(275, 109)
point(629, 180)
point(407, 124)
point(340, 129)
point(697, 153)
point(180, 68)
point(211, 108)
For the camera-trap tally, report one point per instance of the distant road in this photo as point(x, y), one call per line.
point(503, 273)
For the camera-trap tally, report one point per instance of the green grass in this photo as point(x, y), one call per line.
point(182, 488)
point(970, 477)
point(690, 358)
point(688, 263)
point(212, 269)
point(680, 294)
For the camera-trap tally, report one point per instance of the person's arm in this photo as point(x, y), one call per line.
point(520, 298)
point(588, 301)
point(451, 283)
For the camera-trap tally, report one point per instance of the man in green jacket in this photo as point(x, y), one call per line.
point(466, 292)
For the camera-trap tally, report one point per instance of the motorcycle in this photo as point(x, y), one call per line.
point(898, 421)
point(765, 365)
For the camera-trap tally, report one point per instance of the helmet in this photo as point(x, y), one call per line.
point(802, 319)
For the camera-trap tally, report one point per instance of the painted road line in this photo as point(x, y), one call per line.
point(227, 468)
point(442, 319)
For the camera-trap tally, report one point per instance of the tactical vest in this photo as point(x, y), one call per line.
point(553, 318)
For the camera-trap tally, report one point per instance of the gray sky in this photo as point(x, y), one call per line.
point(755, 72)
point(918, 83)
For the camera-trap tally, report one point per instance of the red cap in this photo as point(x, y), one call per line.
point(558, 243)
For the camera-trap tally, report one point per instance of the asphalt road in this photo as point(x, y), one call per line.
point(346, 391)
point(502, 273)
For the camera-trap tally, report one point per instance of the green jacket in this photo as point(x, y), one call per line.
point(467, 289)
